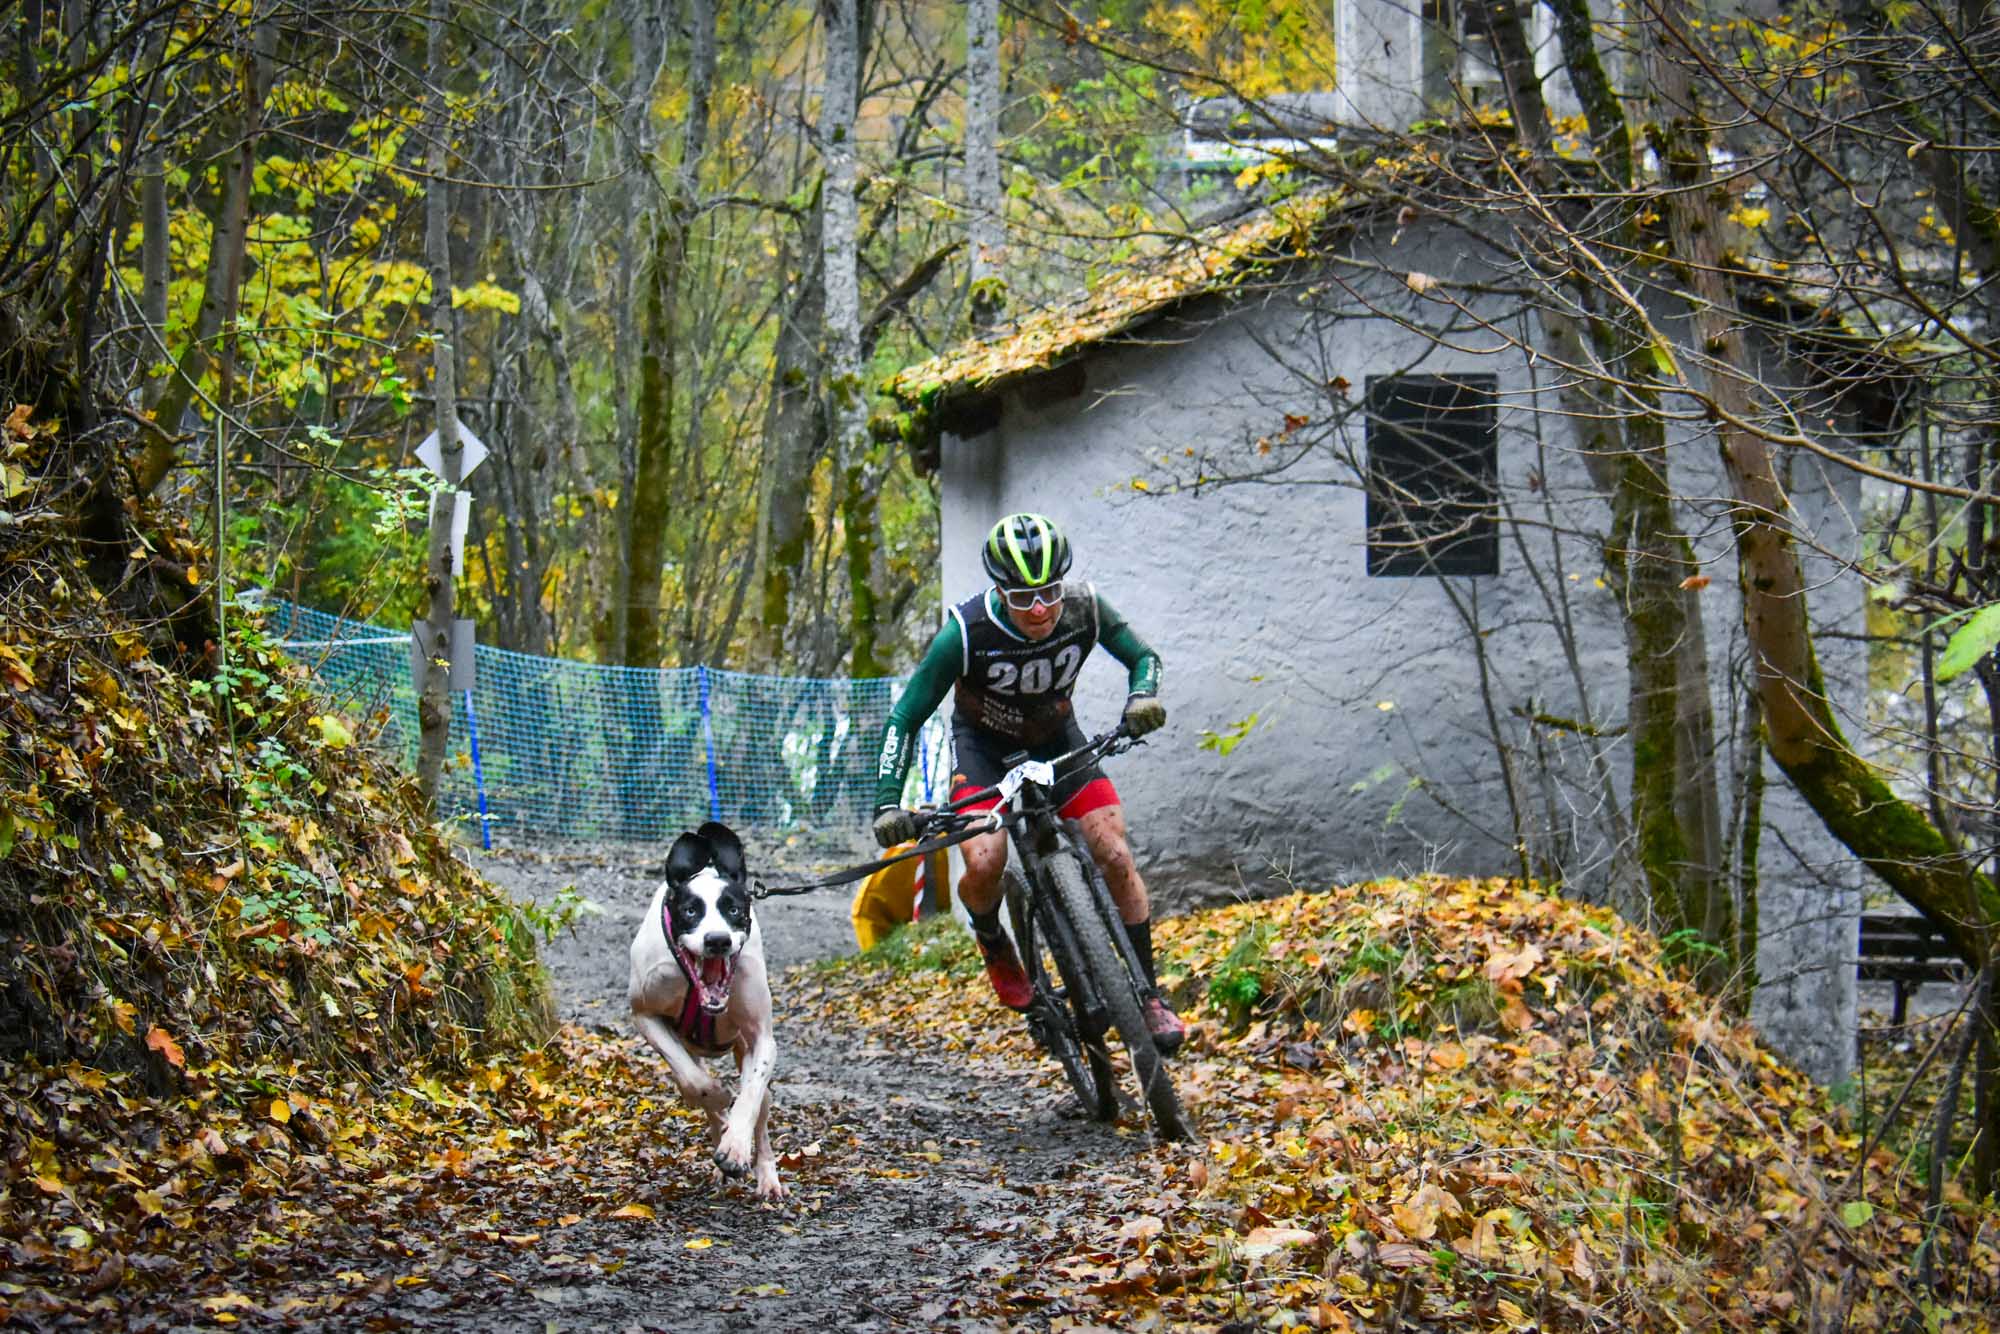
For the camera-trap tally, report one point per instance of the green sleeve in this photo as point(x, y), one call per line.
point(934, 676)
point(1142, 665)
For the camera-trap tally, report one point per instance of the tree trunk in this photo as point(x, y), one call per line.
point(664, 276)
point(153, 261)
point(860, 509)
point(1890, 835)
point(846, 393)
point(610, 630)
point(795, 433)
point(434, 633)
point(1675, 816)
point(984, 228)
point(649, 47)
point(652, 476)
point(225, 262)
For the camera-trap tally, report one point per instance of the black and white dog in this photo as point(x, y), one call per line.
point(699, 989)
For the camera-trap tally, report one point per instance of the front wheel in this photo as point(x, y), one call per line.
point(1116, 987)
point(1053, 1022)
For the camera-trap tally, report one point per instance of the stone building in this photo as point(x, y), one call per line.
point(1341, 505)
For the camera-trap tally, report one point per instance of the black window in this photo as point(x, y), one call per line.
point(1433, 467)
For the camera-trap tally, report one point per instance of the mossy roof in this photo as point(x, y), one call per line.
point(1208, 262)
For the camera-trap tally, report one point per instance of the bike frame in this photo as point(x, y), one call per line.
point(1070, 909)
point(1036, 831)
point(1033, 826)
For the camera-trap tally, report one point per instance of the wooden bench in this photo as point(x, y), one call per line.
point(1906, 951)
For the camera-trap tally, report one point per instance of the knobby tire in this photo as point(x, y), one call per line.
point(1083, 1062)
point(1114, 985)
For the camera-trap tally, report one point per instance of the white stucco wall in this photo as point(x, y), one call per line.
point(1372, 753)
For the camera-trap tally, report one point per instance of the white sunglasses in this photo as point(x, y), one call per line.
point(1027, 599)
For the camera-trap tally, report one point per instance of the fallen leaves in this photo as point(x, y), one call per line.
point(1457, 1102)
point(157, 1039)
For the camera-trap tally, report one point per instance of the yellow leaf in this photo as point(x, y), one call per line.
point(633, 1211)
point(1419, 282)
point(485, 296)
point(698, 1244)
point(1418, 1220)
point(281, 1111)
point(228, 1301)
point(333, 732)
point(1139, 484)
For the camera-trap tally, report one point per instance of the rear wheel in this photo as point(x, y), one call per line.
point(1114, 986)
point(1056, 1025)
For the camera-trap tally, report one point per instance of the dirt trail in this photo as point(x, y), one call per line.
point(912, 1175)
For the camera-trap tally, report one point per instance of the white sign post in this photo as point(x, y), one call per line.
point(461, 518)
point(471, 455)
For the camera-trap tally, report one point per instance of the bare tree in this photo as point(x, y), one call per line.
point(434, 632)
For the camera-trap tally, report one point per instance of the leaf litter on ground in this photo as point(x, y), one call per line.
point(1465, 1103)
point(272, 1050)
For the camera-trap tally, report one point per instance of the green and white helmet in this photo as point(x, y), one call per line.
point(1025, 551)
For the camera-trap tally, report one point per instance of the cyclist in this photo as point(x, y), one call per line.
point(1010, 655)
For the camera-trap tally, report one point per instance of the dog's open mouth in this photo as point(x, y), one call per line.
point(711, 974)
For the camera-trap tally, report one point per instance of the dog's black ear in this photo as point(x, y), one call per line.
point(689, 854)
point(728, 849)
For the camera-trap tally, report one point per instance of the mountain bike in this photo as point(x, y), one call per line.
point(1057, 903)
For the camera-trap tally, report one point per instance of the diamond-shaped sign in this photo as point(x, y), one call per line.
point(471, 452)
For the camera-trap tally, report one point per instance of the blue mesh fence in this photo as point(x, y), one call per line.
point(572, 750)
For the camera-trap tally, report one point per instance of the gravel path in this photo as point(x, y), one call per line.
point(925, 1176)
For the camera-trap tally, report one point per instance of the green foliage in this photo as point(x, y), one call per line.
point(934, 945)
point(1238, 983)
point(1227, 740)
point(1970, 642)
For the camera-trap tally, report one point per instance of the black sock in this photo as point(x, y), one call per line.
point(986, 923)
point(1141, 936)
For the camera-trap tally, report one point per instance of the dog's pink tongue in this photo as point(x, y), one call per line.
point(714, 972)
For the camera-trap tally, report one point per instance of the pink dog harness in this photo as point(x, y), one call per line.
point(695, 1024)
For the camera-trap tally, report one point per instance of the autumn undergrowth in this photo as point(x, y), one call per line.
point(1470, 1103)
point(224, 929)
point(934, 945)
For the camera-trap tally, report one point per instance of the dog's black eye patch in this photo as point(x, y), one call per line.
point(735, 910)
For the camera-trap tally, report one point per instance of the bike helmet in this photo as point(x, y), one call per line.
point(1025, 551)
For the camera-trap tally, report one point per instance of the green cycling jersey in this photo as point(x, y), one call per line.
point(1004, 683)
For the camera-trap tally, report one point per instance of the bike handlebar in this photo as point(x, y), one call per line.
point(950, 815)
